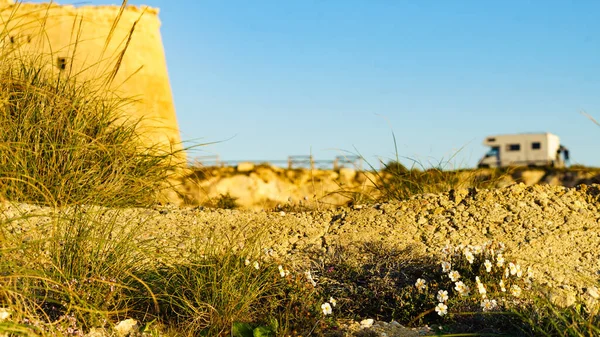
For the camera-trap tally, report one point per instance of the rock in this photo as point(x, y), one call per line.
point(245, 167)
point(366, 323)
point(126, 327)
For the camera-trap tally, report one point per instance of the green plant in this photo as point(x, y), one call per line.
point(395, 181)
point(66, 140)
point(219, 286)
point(226, 201)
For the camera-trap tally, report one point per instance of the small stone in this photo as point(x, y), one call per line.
point(366, 323)
point(126, 327)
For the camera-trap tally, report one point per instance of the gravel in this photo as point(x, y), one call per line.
point(553, 229)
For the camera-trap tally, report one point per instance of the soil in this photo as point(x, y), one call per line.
point(553, 229)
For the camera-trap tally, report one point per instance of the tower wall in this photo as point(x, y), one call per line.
point(75, 37)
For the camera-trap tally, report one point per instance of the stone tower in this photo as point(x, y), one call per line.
point(75, 37)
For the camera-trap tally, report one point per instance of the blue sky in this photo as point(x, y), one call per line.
point(273, 78)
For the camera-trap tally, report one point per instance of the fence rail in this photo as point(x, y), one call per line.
point(298, 161)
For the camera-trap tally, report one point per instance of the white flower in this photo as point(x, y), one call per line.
point(420, 284)
point(506, 272)
point(326, 307)
point(481, 289)
point(469, 256)
point(488, 265)
point(488, 305)
point(441, 309)
point(593, 292)
point(447, 250)
point(499, 260)
point(454, 275)
point(256, 265)
point(528, 284)
point(513, 268)
point(477, 249)
point(247, 262)
point(502, 286)
point(283, 272)
point(310, 278)
point(4, 314)
point(515, 290)
point(442, 295)
point(446, 266)
point(462, 288)
point(333, 301)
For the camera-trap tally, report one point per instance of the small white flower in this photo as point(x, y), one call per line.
point(513, 268)
point(441, 309)
point(256, 265)
point(454, 276)
point(447, 250)
point(477, 249)
point(333, 301)
point(506, 272)
point(488, 265)
point(461, 288)
point(481, 289)
point(442, 295)
point(326, 307)
point(283, 272)
point(502, 286)
point(310, 278)
point(4, 313)
point(515, 290)
point(420, 284)
point(446, 266)
point(488, 305)
point(499, 260)
point(247, 262)
point(593, 292)
point(469, 256)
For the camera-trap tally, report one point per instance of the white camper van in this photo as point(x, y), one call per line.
point(525, 149)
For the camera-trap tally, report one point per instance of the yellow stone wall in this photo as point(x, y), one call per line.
point(53, 29)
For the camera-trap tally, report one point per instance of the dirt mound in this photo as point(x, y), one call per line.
point(553, 229)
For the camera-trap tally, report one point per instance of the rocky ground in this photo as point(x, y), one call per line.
point(553, 229)
point(264, 186)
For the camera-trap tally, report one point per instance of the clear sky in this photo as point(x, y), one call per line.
point(273, 78)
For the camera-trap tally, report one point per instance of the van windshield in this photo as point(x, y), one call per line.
point(493, 152)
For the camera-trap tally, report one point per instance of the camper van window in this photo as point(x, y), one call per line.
point(491, 139)
point(513, 147)
point(493, 152)
point(536, 145)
